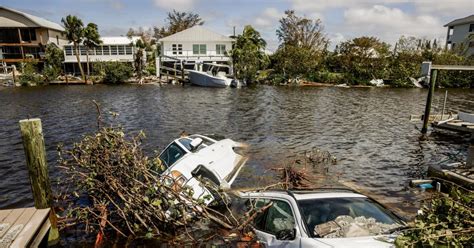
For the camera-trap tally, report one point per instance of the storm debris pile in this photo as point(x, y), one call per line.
point(120, 190)
point(345, 226)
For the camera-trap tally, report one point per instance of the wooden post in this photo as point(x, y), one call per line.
point(444, 104)
point(21, 46)
point(470, 153)
point(35, 153)
point(174, 68)
point(13, 74)
point(158, 66)
point(429, 99)
point(182, 71)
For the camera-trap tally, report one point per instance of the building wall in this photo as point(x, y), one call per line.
point(459, 35)
point(57, 38)
point(187, 50)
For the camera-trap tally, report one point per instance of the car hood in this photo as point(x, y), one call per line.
point(356, 242)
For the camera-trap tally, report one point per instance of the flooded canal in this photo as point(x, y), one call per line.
point(367, 129)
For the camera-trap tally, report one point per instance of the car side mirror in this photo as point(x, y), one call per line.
point(195, 143)
point(287, 234)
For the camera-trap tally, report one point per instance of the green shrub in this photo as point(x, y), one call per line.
point(53, 62)
point(447, 221)
point(117, 72)
point(326, 77)
point(29, 74)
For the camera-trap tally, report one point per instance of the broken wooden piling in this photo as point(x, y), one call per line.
point(35, 153)
point(429, 100)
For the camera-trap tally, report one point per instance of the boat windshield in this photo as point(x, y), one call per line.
point(172, 154)
point(325, 216)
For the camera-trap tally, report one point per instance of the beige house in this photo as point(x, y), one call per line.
point(24, 36)
point(459, 33)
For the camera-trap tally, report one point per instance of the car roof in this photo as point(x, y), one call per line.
point(321, 193)
point(328, 195)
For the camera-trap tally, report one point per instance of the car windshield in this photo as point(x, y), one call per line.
point(346, 217)
point(172, 154)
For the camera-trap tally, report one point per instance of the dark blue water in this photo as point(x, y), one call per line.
point(367, 129)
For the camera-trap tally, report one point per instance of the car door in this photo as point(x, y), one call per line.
point(279, 217)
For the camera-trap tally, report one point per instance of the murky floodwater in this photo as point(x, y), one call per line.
point(378, 149)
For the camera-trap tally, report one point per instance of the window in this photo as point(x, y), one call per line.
point(98, 50)
point(9, 35)
point(277, 218)
point(177, 49)
point(128, 50)
point(186, 143)
point(121, 50)
point(113, 50)
point(28, 34)
point(471, 44)
point(471, 27)
point(57, 40)
point(319, 211)
point(106, 50)
point(220, 49)
point(172, 154)
point(199, 49)
point(68, 50)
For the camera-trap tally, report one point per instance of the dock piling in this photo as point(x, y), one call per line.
point(470, 153)
point(35, 153)
point(444, 104)
point(429, 100)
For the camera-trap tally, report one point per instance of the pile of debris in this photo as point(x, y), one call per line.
point(118, 193)
point(345, 226)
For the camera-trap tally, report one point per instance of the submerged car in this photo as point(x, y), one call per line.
point(190, 159)
point(322, 218)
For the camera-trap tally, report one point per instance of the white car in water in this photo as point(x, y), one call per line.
point(190, 158)
point(322, 218)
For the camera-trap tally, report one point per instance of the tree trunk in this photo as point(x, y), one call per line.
point(88, 70)
point(76, 47)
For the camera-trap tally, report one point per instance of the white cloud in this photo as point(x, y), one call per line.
point(439, 7)
point(182, 5)
point(268, 18)
point(458, 8)
point(390, 23)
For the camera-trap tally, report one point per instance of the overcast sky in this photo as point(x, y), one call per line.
point(342, 19)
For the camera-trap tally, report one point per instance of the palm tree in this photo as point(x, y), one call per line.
point(74, 31)
point(91, 40)
point(248, 54)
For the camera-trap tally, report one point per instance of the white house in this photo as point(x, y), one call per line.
point(118, 48)
point(458, 33)
point(24, 36)
point(194, 45)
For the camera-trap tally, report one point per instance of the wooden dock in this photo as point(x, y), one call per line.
point(464, 123)
point(24, 227)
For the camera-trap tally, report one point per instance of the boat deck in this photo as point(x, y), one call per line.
point(23, 227)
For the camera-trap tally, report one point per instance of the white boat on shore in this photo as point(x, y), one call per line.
point(215, 76)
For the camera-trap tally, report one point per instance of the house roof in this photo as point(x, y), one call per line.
point(460, 21)
point(196, 33)
point(117, 40)
point(41, 22)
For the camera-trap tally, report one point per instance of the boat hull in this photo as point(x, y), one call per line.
point(206, 80)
